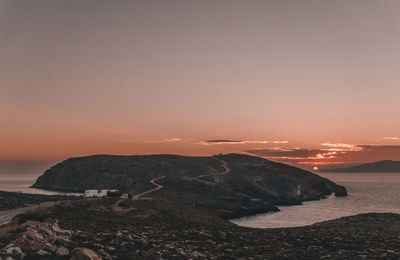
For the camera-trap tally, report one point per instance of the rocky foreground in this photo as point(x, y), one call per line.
point(159, 229)
point(233, 184)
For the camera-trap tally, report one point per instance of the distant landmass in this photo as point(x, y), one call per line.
point(381, 166)
point(230, 185)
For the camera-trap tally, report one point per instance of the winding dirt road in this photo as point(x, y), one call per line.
point(159, 186)
point(152, 181)
point(224, 165)
point(7, 215)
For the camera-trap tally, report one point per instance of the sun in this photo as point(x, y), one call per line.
point(315, 168)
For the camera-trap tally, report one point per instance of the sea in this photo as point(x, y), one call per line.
point(22, 182)
point(367, 192)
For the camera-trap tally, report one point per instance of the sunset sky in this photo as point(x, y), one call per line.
point(310, 83)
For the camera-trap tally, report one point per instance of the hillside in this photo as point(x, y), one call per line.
point(232, 185)
point(381, 166)
point(13, 200)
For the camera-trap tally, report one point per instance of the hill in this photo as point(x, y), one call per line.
point(230, 185)
point(381, 166)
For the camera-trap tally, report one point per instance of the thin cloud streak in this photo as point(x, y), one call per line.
point(391, 138)
point(227, 141)
point(296, 153)
point(166, 140)
point(320, 163)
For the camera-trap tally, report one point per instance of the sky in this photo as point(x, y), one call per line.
point(310, 83)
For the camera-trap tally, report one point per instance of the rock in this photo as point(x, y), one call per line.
point(340, 191)
point(59, 230)
point(43, 253)
point(33, 234)
point(62, 251)
point(197, 254)
point(65, 241)
point(393, 252)
point(110, 248)
point(82, 253)
point(104, 254)
point(15, 252)
point(177, 231)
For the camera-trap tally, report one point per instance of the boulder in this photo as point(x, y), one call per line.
point(340, 191)
point(61, 231)
point(15, 252)
point(42, 253)
point(62, 251)
point(82, 253)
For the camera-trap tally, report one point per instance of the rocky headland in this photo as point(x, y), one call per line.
point(231, 185)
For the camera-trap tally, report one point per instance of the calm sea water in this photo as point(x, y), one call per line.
point(368, 192)
point(21, 182)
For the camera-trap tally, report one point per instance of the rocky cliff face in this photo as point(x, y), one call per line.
point(232, 185)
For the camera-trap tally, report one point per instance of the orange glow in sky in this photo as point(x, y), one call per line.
point(310, 83)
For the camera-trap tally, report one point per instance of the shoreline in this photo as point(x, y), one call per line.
point(231, 217)
point(238, 214)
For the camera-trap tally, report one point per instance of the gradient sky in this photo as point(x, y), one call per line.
point(294, 80)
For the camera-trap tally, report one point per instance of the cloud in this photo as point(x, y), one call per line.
point(175, 139)
point(320, 163)
point(341, 147)
point(300, 156)
point(284, 153)
point(227, 141)
point(166, 140)
point(331, 154)
point(222, 141)
point(391, 138)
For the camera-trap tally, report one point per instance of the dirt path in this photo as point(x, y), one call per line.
point(224, 165)
point(7, 215)
point(116, 207)
point(159, 186)
point(152, 181)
